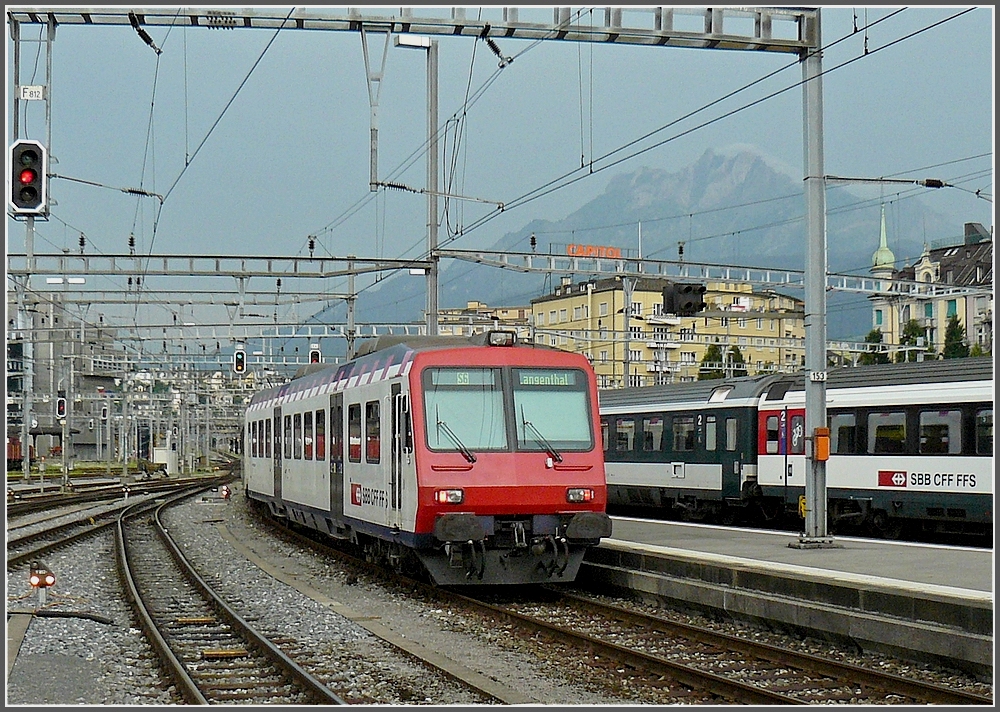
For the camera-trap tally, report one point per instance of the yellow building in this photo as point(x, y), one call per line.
point(477, 317)
point(589, 317)
point(959, 264)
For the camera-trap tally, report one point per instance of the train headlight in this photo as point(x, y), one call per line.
point(579, 494)
point(449, 496)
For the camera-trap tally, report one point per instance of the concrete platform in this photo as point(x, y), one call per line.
point(923, 601)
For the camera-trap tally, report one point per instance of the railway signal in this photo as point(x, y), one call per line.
point(689, 298)
point(29, 178)
point(315, 355)
point(239, 361)
point(61, 407)
point(40, 576)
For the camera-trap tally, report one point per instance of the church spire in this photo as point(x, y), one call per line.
point(882, 258)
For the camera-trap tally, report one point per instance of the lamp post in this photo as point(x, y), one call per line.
point(431, 46)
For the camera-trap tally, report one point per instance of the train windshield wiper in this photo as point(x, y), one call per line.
point(443, 426)
point(540, 439)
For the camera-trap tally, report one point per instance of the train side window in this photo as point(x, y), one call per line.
point(684, 433)
point(626, 435)
point(267, 438)
point(354, 432)
point(321, 434)
point(843, 434)
point(797, 435)
point(710, 433)
point(886, 433)
point(984, 432)
point(337, 433)
point(605, 427)
point(652, 433)
point(940, 432)
point(731, 434)
point(253, 438)
point(288, 437)
point(771, 425)
point(307, 435)
point(373, 442)
point(297, 441)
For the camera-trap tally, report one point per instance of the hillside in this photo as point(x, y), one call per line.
point(733, 209)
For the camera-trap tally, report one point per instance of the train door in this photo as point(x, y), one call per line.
point(401, 448)
point(336, 438)
point(786, 437)
point(277, 452)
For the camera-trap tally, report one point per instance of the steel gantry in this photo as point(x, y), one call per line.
point(786, 30)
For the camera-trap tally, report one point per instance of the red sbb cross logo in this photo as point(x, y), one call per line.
point(891, 478)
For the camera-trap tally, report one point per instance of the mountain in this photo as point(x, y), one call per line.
point(735, 208)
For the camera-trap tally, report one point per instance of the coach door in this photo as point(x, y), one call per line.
point(277, 452)
point(400, 418)
point(337, 455)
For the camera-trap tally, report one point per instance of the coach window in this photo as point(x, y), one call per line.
point(652, 433)
point(683, 432)
point(887, 433)
point(771, 425)
point(288, 437)
point(797, 435)
point(940, 432)
point(373, 443)
point(731, 434)
point(320, 434)
point(605, 427)
point(710, 432)
point(842, 434)
point(984, 432)
point(626, 435)
point(267, 438)
point(307, 435)
point(297, 442)
point(354, 432)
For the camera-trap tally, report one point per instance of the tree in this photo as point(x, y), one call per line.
point(873, 357)
point(954, 339)
point(912, 331)
point(711, 364)
point(736, 363)
point(977, 350)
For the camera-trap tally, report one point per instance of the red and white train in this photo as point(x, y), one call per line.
point(475, 459)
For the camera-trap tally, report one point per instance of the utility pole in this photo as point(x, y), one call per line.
point(628, 284)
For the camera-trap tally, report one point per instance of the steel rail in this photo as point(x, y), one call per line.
point(923, 692)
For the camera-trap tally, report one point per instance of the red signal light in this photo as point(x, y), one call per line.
point(27, 176)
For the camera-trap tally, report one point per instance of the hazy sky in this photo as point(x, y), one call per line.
point(289, 158)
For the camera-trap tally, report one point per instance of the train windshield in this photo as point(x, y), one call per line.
point(552, 409)
point(464, 409)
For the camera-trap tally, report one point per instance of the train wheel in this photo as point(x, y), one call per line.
point(885, 526)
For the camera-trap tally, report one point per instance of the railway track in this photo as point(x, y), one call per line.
point(212, 653)
point(687, 662)
point(791, 676)
point(32, 539)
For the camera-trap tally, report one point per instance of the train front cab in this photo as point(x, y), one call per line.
point(511, 481)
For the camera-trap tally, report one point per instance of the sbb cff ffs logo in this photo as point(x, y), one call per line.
point(29, 178)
